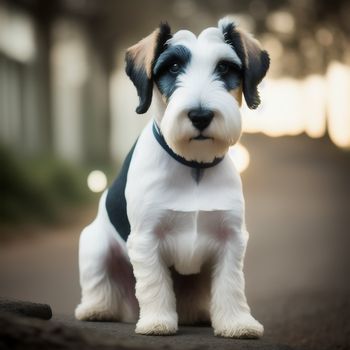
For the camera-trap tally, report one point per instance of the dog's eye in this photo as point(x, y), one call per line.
point(174, 68)
point(222, 68)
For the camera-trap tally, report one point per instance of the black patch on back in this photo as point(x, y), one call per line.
point(254, 66)
point(164, 78)
point(116, 201)
point(138, 75)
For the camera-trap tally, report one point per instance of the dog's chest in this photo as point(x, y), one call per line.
point(157, 182)
point(190, 220)
point(187, 240)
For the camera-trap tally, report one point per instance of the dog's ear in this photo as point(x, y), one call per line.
point(255, 61)
point(140, 60)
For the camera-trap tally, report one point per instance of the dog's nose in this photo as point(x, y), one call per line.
point(200, 117)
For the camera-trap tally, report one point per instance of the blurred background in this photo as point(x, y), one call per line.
point(67, 120)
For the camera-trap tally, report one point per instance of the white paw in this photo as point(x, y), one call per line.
point(241, 327)
point(157, 326)
point(85, 312)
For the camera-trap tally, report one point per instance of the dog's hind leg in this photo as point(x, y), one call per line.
point(106, 278)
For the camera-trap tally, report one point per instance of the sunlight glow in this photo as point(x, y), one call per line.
point(240, 156)
point(338, 77)
point(280, 112)
point(97, 181)
point(312, 105)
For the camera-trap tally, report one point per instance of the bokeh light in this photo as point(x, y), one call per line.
point(97, 181)
point(240, 156)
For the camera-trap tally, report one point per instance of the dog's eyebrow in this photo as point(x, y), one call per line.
point(230, 56)
point(178, 53)
point(232, 62)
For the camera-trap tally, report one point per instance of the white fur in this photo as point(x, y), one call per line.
point(199, 88)
point(188, 239)
point(106, 294)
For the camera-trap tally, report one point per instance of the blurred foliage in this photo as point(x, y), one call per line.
point(39, 189)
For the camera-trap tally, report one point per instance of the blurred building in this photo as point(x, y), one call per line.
point(53, 83)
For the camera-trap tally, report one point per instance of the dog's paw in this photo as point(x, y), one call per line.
point(243, 327)
point(85, 312)
point(156, 326)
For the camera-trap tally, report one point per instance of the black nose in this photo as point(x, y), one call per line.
point(200, 117)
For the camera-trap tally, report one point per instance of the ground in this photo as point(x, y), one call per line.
point(297, 193)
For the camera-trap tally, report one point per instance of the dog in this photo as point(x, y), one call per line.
point(168, 243)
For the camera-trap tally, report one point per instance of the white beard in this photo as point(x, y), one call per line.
point(223, 132)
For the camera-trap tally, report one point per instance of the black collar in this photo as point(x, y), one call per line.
point(192, 164)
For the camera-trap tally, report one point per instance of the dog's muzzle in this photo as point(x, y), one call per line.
point(200, 118)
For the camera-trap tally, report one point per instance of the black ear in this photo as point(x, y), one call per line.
point(255, 61)
point(140, 60)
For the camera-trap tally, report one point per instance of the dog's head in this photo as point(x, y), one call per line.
point(197, 85)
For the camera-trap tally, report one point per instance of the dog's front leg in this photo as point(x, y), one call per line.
point(230, 313)
point(154, 288)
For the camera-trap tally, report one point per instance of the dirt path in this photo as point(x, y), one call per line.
point(43, 266)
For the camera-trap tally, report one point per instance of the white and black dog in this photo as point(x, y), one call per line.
point(171, 227)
